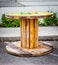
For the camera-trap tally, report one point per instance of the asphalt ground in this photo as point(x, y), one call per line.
point(49, 59)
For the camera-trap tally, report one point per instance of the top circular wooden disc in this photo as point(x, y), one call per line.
point(30, 14)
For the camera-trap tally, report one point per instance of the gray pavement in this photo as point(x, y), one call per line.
point(7, 59)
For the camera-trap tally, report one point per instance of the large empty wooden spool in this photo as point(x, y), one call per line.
point(29, 45)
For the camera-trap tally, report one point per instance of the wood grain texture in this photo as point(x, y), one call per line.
point(29, 33)
point(30, 17)
point(36, 33)
point(32, 33)
point(15, 49)
point(29, 38)
point(21, 31)
point(22, 39)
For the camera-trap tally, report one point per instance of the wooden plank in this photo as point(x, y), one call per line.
point(36, 33)
point(28, 22)
point(21, 31)
point(32, 33)
point(42, 49)
point(23, 34)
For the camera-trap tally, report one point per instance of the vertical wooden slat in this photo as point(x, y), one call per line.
point(36, 33)
point(32, 33)
point(25, 30)
point(24, 33)
point(21, 31)
point(28, 33)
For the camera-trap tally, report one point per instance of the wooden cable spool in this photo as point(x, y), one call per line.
point(29, 45)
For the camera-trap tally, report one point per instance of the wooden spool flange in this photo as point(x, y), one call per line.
point(15, 49)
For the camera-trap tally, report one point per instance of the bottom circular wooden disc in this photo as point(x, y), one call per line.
point(15, 49)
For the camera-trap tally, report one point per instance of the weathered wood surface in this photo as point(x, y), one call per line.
point(34, 16)
point(29, 33)
point(15, 49)
point(29, 37)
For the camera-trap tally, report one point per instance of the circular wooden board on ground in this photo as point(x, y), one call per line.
point(15, 49)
